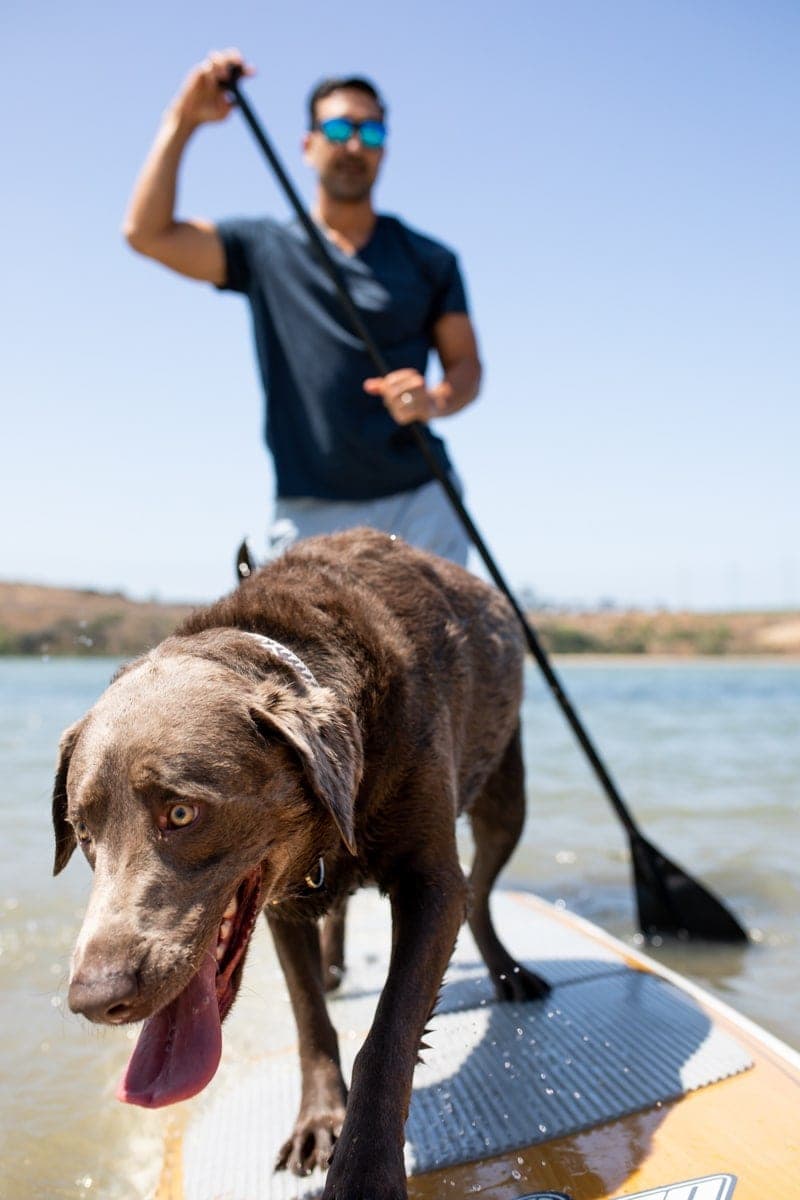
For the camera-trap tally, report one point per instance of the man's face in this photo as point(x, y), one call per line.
point(347, 170)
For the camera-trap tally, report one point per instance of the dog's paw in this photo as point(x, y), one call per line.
point(312, 1141)
point(519, 984)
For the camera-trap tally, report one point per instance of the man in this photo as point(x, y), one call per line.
point(337, 433)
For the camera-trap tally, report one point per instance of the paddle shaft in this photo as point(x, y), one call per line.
point(668, 900)
point(383, 368)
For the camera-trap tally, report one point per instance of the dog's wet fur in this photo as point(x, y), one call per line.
point(212, 768)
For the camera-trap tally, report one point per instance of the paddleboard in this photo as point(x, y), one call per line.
point(626, 1081)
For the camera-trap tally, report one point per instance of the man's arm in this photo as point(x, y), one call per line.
point(457, 347)
point(194, 247)
point(404, 392)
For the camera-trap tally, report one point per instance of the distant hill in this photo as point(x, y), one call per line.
point(675, 634)
point(48, 620)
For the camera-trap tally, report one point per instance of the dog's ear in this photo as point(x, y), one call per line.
point(65, 837)
point(325, 736)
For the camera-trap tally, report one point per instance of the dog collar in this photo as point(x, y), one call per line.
point(285, 654)
point(288, 656)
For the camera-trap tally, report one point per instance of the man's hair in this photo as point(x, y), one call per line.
point(337, 83)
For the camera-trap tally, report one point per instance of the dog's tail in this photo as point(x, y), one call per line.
point(245, 563)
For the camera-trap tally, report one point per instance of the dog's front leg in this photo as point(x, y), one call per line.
point(427, 910)
point(324, 1095)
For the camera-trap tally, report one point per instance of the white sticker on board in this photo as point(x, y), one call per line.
point(710, 1187)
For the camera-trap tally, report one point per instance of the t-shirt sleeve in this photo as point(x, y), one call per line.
point(451, 294)
point(236, 235)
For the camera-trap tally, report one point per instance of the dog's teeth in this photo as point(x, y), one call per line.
point(230, 911)
point(219, 953)
point(225, 930)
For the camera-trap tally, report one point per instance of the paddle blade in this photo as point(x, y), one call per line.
point(671, 904)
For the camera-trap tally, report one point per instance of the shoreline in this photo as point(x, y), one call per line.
point(672, 660)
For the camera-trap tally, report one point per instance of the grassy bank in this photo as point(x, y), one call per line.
point(47, 620)
point(677, 634)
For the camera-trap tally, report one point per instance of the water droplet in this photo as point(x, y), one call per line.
point(516, 1174)
point(542, 1128)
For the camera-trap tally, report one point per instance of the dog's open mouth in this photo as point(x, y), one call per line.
point(179, 1047)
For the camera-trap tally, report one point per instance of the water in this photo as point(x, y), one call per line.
point(706, 754)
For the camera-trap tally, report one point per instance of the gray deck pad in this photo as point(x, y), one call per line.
point(608, 1041)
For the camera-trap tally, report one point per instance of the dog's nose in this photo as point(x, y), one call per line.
point(107, 998)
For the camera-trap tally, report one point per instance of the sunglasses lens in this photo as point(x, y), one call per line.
point(338, 129)
point(373, 134)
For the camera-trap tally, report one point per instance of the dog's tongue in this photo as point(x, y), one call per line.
point(179, 1048)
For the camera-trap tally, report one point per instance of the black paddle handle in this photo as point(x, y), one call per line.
point(383, 368)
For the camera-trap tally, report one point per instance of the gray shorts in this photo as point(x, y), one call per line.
point(424, 517)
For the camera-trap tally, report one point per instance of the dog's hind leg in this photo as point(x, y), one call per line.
point(332, 945)
point(497, 817)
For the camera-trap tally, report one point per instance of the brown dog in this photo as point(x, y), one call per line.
point(321, 727)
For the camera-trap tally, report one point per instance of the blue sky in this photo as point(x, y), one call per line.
point(620, 180)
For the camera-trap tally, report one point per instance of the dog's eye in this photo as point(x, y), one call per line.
point(82, 831)
point(181, 815)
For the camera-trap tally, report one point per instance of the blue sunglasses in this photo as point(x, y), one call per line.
point(340, 129)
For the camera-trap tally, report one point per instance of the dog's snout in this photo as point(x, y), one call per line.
point(106, 997)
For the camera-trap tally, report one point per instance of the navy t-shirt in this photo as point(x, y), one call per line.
point(328, 438)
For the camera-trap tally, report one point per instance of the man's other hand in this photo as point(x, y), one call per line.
point(405, 395)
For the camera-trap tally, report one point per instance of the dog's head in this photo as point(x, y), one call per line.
point(205, 783)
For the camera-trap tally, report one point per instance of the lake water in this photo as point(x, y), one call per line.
point(707, 754)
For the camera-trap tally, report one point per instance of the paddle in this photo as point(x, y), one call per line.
point(668, 901)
